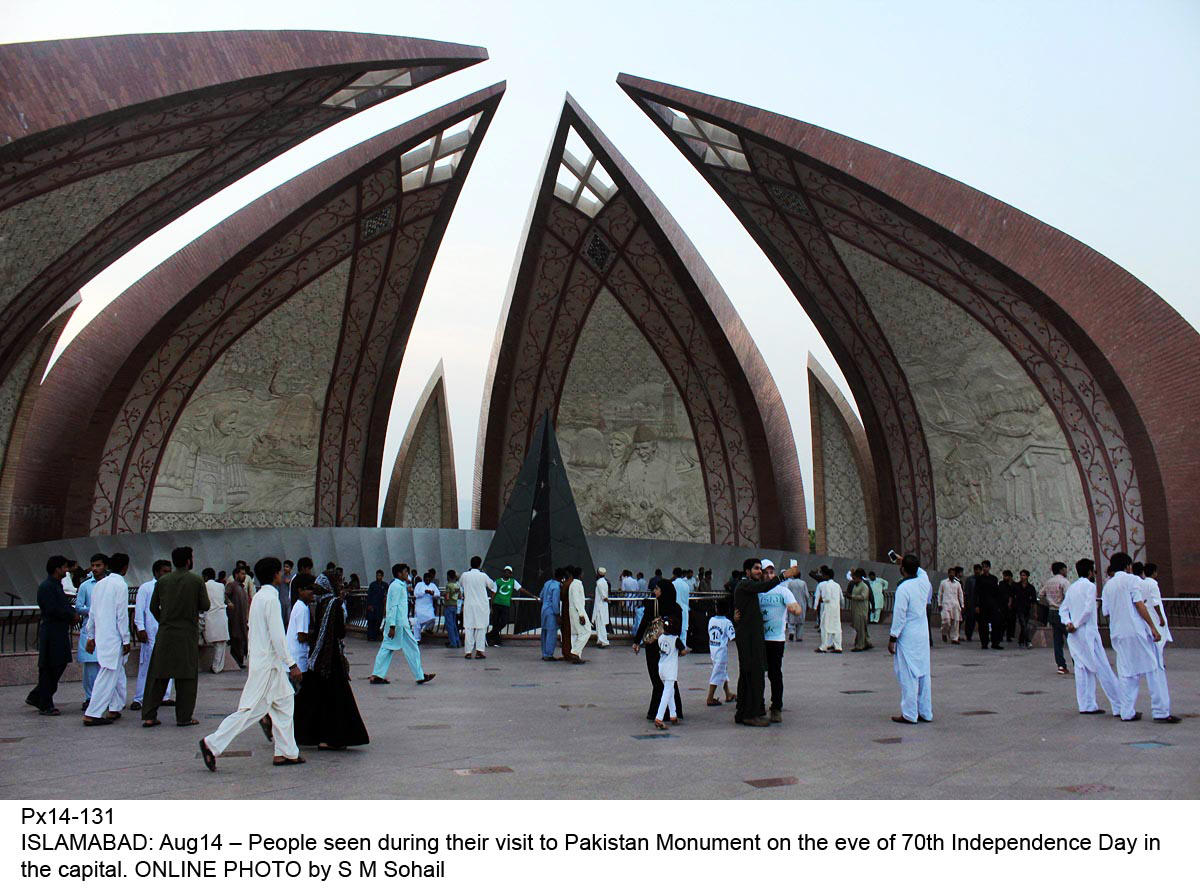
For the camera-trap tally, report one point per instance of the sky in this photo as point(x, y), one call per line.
point(1084, 114)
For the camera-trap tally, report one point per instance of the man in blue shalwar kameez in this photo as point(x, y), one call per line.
point(397, 632)
point(551, 597)
point(909, 643)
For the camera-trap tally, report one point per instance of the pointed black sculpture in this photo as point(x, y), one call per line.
point(540, 528)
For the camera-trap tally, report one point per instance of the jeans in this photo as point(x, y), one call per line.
point(1060, 635)
point(450, 617)
point(1023, 621)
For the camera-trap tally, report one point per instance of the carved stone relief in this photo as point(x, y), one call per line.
point(244, 450)
point(845, 504)
point(1007, 485)
point(34, 232)
point(626, 440)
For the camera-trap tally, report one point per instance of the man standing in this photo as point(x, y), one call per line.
point(776, 604)
point(54, 636)
point(108, 639)
point(551, 597)
point(451, 597)
point(987, 607)
point(83, 607)
point(1078, 614)
point(950, 600)
point(878, 587)
point(147, 628)
point(268, 691)
point(239, 599)
point(795, 620)
point(506, 586)
point(476, 585)
point(216, 620)
point(285, 591)
point(751, 642)
point(860, 604)
point(683, 596)
point(1135, 636)
point(1026, 596)
point(829, 595)
point(179, 598)
point(297, 634)
point(629, 589)
point(1052, 594)
point(1153, 596)
point(376, 600)
point(397, 631)
point(1006, 612)
point(909, 642)
point(970, 603)
point(424, 616)
point(600, 609)
point(581, 628)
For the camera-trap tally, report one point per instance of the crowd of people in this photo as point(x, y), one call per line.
point(286, 625)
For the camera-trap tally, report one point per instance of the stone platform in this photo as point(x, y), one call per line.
point(513, 726)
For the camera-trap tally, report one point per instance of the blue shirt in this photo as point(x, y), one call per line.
point(83, 605)
point(551, 597)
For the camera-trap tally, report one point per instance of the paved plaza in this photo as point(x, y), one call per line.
point(513, 726)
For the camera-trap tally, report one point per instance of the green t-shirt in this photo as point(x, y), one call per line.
point(451, 594)
point(504, 591)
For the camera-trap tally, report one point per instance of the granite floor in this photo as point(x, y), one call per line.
point(513, 726)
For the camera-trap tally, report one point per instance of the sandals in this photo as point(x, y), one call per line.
point(658, 724)
point(288, 761)
point(189, 723)
point(150, 724)
point(210, 759)
point(265, 725)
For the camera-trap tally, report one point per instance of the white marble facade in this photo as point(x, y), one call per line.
point(625, 436)
point(1006, 485)
point(244, 450)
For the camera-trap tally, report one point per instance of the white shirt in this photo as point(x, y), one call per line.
point(269, 659)
point(910, 626)
point(423, 595)
point(950, 594)
point(143, 619)
point(108, 620)
point(298, 624)
point(602, 589)
point(216, 619)
point(475, 587)
point(629, 584)
point(1121, 591)
point(720, 632)
point(773, 605)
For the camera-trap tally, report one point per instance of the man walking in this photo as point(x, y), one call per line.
point(54, 636)
point(878, 587)
point(581, 628)
point(178, 600)
point(397, 632)
point(600, 609)
point(83, 607)
point(146, 626)
point(108, 640)
point(829, 596)
point(1026, 597)
point(950, 600)
point(1135, 636)
point(860, 605)
point(268, 691)
point(909, 643)
point(1078, 614)
point(987, 596)
point(970, 603)
point(551, 597)
point(476, 585)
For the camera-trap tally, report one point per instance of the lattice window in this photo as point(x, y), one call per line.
point(372, 87)
point(582, 180)
point(436, 159)
point(712, 144)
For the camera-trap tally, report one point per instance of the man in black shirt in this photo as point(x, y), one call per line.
point(1006, 612)
point(751, 642)
point(54, 637)
point(987, 607)
point(1023, 600)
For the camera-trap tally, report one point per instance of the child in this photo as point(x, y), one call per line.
point(669, 647)
point(720, 632)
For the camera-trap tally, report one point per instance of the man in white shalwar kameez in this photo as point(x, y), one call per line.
point(108, 639)
point(272, 670)
point(1078, 615)
point(600, 609)
point(577, 617)
point(829, 596)
point(476, 586)
point(216, 621)
point(1134, 637)
point(147, 629)
point(1154, 603)
point(909, 642)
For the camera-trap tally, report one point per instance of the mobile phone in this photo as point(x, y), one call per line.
point(792, 563)
point(893, 555)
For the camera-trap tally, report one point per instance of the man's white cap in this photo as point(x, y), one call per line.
point(767, 564)
point(508, 568)
point(601, 571)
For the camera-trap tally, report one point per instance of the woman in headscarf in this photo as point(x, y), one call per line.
point(660, 604)
point(326, 713)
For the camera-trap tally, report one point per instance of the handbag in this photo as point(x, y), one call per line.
point(655, 629)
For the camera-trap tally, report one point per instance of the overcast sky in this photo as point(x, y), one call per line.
point(1084, 114)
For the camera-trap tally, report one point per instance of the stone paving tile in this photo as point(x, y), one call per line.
point(1033, 747)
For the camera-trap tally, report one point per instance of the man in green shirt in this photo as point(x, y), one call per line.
point(506, 586)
